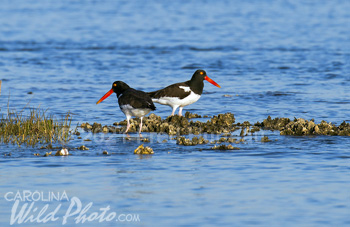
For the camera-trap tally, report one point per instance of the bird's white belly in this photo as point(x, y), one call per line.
point(128, 110)
point(174, 101)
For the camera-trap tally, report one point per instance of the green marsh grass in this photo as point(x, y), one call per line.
point(37, 127)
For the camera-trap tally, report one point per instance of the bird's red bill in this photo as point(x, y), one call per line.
point(211, 81)
point(105, 96)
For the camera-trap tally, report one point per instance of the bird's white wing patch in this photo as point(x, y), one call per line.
point(186, 89)
point(175, 101)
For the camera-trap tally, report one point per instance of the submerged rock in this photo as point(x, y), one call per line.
point(242, 133)
point(255, 129)
point(105, 129)
point(225, 147)
point(47, 154)
point(191, 142)
point(265, 139)
point(96, 127)
point(86, 126)
point(76, 133)
point(226, 140)
point(143, 150)
point(83, 148)
point(49, 146)
point(145, 140)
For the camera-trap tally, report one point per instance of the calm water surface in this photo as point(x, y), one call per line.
point(279, 58)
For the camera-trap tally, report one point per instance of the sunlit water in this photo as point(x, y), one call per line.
point(279, 58)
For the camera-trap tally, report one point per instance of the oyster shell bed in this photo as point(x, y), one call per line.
point(302, 127)
point(221, 124)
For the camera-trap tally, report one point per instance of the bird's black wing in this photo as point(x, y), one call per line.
point(137, 99)
point(173, 90)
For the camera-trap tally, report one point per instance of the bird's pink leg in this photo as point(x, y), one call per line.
point(180, 110)
point(140, 126)
point(174, 109)
point(128, 124)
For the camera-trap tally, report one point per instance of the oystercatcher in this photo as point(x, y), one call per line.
point(132, 102)
point(182, 94)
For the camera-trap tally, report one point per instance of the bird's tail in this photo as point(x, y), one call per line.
point(152, 93)
point(153, 107)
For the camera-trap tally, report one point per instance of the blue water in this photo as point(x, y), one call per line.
point(279, 58)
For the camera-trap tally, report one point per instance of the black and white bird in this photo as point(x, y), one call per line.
point(132, 102)
point(182, 94)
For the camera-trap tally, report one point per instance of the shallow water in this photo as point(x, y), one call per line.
point(278, 58)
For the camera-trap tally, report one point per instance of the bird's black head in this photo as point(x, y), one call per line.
point(200, 75)
point(117, 87)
